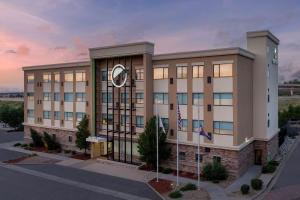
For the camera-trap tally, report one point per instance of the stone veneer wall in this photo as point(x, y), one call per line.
point(236, 162)
point(62, 136)
point(270, 146)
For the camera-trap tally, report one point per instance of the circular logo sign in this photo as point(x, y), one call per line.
point(119, 75)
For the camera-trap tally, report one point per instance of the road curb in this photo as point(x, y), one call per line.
point(276, 175)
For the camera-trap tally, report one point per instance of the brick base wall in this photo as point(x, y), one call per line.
point(62, 136)
point(269, 148)
point(236, 162)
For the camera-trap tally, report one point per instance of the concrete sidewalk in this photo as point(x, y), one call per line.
point(251, 173)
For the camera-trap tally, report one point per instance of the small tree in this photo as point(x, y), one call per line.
point(36, 138)
point(50, 142)
point(147, 144)
point(82, 134)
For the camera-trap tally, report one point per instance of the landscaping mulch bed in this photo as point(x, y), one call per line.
point(17, 160)
point(81, 156)
point(41, 149)
point(162, 186)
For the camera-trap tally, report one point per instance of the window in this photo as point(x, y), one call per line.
point(103, 75)
point(139, 121)
point(46, 115)
point(197, 124)
point(139, 97)
point(104, 97)
point(68, 116)
point(30, 113)
point(80, 97)
point(46, 78)
point(160, 73)
point(181, 155)
point(57, 77)
point(161, 98)
point(79, 116)
point(80, 77)
point(124, 97)
point(56, 115)
point(30, 78)
point(106, 76)
point(223, 70)
point(182, 98)
point(268, 123)
point(56, 96)
point(123, 119)
point(165, 122)
point(198, 71)
point(217, 159)
point(200, 156)
point(47, 96)
point(139, 74)
point(68, 97)
point(70, 138)
point(30, 96)
point(223, 127)
point(198, 99)
point(69, 77)
point(181, 72)
point(184, 123)
point(107, 119)
point(223, 99)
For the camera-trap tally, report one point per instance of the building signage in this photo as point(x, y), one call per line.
point(119, 75)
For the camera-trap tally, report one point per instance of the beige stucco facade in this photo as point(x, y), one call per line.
point(237, 90)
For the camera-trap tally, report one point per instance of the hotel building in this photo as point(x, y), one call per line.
point(231, 92)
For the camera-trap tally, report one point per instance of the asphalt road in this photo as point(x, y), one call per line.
point(290, 174)
point(287, 185)
point(64, 182)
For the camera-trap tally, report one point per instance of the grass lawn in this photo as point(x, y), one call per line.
point(13, 103)
point(285, 101)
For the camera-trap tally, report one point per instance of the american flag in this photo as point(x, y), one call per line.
point(205, 134)
point(179, 121)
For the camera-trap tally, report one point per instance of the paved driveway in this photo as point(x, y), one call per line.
point(288, 184)
point(50, 181)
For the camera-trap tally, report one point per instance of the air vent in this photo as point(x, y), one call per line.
point(209, 79)
point(208, 107)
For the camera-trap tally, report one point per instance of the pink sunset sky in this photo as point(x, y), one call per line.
point(44, 32)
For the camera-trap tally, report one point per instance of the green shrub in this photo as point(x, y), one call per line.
point(167, 171)
point(268, 169)
point(256, 184)
point(207, 171)
point(50, 142)
point(188, 187)
point(245, 189)
point(175, 195)
point(24, 145)
point(17, 144)
point(274, 162)
point(36, 138)
point(215, 171)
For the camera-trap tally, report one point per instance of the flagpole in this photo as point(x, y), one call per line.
point(199, 146)
point(156, 143)
point(177, 154)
